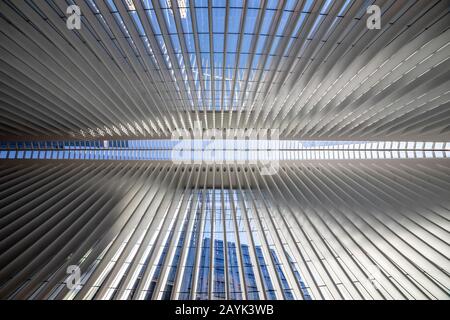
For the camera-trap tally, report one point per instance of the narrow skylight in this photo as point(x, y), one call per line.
point(221, 150)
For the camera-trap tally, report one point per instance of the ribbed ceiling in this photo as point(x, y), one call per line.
point(358, 203)
point(311, 69)
point(316, 230)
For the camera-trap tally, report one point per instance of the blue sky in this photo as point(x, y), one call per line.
point(219, 68)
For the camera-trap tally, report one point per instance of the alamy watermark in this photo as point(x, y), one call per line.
point(260, 147)
point(73, 281)
point(74, 17)
point(374, 19)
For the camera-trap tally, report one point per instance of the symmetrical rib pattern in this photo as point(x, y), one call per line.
point(144, 68)
point(90, 116)
point(323, 230)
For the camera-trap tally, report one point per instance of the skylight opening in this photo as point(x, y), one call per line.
point(221, 150)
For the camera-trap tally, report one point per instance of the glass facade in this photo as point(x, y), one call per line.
point(217, 263)
point(191, 151)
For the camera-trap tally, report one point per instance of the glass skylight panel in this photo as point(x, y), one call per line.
point(220, 150)
point(170, 22)
point(344, 7)
point(326, 6)
point(93, 6)
point(153, 22)
point(283, 23)
point(253, 59)
point(267, 22)
point(274, 46)
point(308, 5)
point(315, 26)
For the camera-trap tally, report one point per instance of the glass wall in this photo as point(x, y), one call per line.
point(187, 151)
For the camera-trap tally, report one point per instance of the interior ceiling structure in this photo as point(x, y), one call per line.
point(367, 230)
point(311, 69)
point(356, 204)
